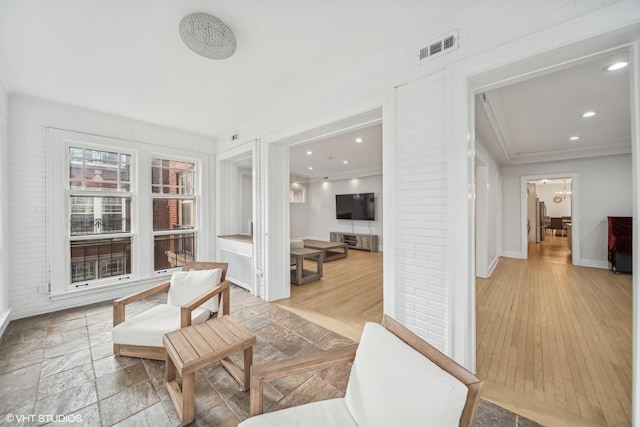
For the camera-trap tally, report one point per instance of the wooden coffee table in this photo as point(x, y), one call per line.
point(300, 276)
point(327, 249)
point(199, 346)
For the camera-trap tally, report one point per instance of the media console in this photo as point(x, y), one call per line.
point(366, 242)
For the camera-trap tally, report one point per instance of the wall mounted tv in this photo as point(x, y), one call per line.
point(359, 206)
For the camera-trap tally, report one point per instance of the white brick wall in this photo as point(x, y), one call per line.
point(421, 149)
point(4, 107)
point(28, 232)
point(420, 201)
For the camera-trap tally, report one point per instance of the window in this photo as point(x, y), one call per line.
point(99, 209)
point(174, 203)
point(121, 212)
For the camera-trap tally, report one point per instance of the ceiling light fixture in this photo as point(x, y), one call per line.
point(588, 114)
point(616, 66)
point(345, 162)
point(358, 140)
point(207, 36)
point(310, 168)
point(574, 138)
point(309, 153)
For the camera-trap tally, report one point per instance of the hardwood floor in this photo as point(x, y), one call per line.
point(348, 295)
point(554, 340)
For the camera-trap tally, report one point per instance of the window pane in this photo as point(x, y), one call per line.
point(95, 259)
point(173, 250)
point(99, 215)
point(172, 177)
point(173, 214)
point(99, 170)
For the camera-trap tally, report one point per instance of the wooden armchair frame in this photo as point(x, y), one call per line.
point(296, 365)
point(159, 353)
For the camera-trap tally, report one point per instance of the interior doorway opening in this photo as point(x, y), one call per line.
point(547, 309)
point(336, 198)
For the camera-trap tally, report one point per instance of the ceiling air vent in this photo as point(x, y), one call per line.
point(445, 44)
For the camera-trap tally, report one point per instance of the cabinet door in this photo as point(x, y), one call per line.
point(364, 242)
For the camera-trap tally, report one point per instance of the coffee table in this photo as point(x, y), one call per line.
point(326, 248)
point(199, 346)
point(300, 276)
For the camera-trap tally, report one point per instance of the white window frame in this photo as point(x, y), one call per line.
point(58, 210)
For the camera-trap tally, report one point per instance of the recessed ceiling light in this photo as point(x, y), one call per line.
point(588, 114)
point(309, 153)
point(616, 66)
point(310, 168)
point(358, 140)
point(574, 138)
point(345, 162)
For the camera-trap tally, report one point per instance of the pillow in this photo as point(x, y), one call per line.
point(188, 285)
point(393, 384)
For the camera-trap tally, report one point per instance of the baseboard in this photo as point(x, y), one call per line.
point(512, 254)
point(493, 266)
point(595, 263)
point(5, 318)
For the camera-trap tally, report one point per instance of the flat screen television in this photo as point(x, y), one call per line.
point(359, 206)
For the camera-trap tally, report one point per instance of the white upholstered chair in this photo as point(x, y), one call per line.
point(195, 294)
point(397, 379)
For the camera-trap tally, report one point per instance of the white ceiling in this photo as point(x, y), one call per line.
point(328, 156)
point(127, 58)
point(532, 121)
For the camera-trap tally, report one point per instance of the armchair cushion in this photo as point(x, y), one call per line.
point(148, 327)
point(332, 412)
point(189, 285)
point(393, 384)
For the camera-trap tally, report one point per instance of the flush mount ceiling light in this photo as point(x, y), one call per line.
point(574, 138)
point(358, 140)
point(309, 153)
point(207, 36)
point(587, 114)
point(345, 162)
point(616, 66)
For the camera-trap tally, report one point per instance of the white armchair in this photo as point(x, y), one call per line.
point(396, 379)
point(195, 294)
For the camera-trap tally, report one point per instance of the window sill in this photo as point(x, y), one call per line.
point(108, 287)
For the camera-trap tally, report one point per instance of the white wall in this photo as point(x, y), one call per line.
point(28, 234)
point(425, 145)
point(246, 199)
point(4, 284)
point(487, 221)
point(546, 193)
point(605, 189)
point(317, 218)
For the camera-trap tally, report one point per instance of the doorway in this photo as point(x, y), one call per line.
point(338, 160)
point(518, 272)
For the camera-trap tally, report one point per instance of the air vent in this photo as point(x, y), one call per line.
point(445, 44)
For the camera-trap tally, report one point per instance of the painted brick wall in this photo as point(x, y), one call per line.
point(420, 146)
point(420, 201)
point(28, 233)
point(4, 107)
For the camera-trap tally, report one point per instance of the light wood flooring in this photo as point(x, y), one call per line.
point(554, 340)
point(348, 295)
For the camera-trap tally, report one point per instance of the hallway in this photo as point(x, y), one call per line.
point(554, 340)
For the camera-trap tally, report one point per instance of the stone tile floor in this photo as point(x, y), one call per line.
point(62, 365)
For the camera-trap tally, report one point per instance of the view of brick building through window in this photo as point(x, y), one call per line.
point(100, 204)
point(173, 192)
